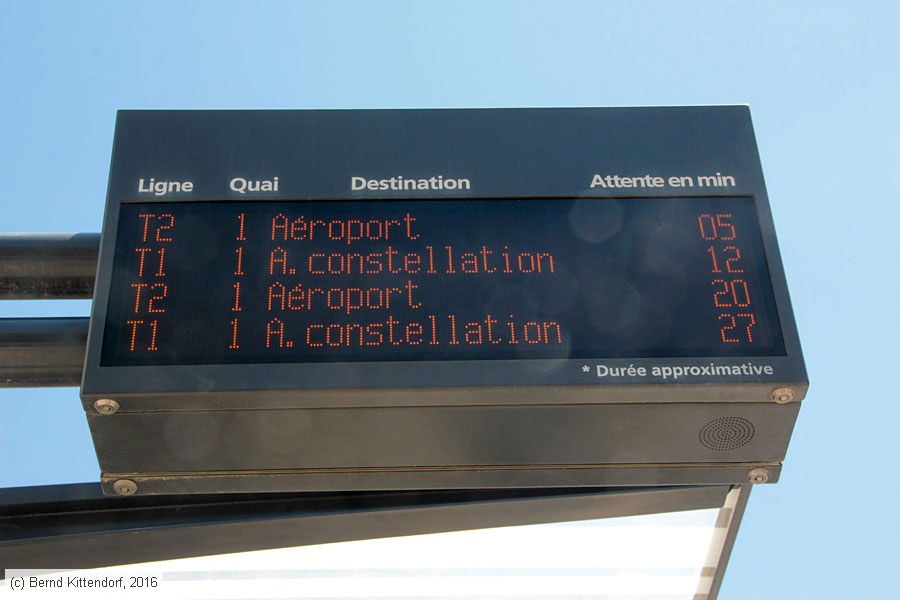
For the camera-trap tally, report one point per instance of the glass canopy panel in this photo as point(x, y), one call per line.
point(661, 556)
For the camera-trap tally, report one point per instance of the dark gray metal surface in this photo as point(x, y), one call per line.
point(42, 352)
point(48, 265)
point(667, 475)
point(433, 437)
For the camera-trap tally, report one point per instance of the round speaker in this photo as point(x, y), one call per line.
point(727, 433)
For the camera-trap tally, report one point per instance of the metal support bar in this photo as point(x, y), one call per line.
point(730, 517)
point(75, 526)
point(42, 352)
point(39, 266)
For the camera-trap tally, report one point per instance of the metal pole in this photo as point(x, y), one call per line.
point(48, 265)
point(42, 352)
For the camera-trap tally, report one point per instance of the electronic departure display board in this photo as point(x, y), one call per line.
point(282, 282)
point(314, 299)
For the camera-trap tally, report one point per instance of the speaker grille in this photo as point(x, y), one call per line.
point(727, 433)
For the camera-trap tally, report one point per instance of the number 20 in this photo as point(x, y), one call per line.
point(737, 289)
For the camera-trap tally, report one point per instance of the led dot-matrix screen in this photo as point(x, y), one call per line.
point(424, 280)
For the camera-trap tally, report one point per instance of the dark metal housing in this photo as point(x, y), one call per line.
point(359, 425)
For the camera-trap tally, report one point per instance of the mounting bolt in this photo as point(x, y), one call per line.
point(758, 475)
point(105, 406)
point(782, 395)
point(125, 487)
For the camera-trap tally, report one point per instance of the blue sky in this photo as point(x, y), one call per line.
point(822, 83)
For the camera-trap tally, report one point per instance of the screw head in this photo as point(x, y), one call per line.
point(758, 475)
point(105, 406)
point(782, 395)
point(125, 487)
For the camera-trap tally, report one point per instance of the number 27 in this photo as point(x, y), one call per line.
point(731, 323)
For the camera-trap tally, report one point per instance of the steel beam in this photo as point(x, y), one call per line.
point(45, 265)
point(75, 526)
point(42, 352)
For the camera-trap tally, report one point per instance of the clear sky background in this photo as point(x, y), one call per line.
point(822, 80)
